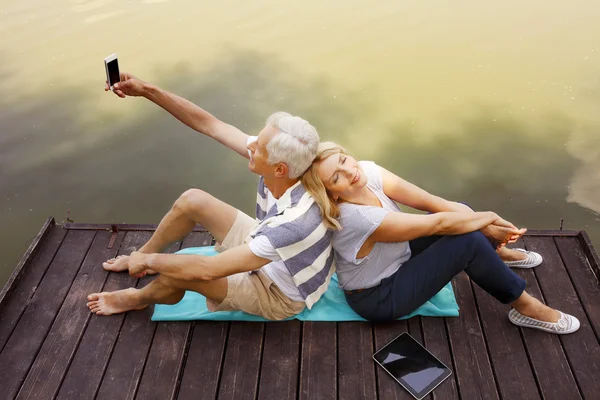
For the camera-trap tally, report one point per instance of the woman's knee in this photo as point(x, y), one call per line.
point(192, 200)
point(471, 239)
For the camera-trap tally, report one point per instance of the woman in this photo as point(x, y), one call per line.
point(389, 263)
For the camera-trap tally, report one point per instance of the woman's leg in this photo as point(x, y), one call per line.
point(423, 276)
point(419, 245)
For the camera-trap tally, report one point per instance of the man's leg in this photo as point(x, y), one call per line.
point(162, 290)
point(193, 207)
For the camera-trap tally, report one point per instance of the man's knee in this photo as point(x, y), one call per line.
point(192, 200)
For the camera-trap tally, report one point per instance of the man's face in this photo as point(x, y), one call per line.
point(258, 152)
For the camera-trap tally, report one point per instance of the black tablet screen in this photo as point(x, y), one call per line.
point(413, 366)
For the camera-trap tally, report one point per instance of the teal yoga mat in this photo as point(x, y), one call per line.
point(331, 307)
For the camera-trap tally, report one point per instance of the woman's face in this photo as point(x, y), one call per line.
point(342, 176)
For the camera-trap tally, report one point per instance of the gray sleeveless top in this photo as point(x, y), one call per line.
point(358, 223)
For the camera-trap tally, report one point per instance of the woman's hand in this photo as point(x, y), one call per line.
point(503, 232)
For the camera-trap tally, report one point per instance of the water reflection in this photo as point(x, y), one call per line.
point(106, 167)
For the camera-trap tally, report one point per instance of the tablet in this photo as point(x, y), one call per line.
point(409, 363)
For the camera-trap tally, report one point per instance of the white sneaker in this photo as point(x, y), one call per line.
point(566, 323)
point(533, 260)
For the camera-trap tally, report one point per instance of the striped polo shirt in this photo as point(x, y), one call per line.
point(295, 228)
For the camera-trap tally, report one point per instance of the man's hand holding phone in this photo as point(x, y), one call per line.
point(128, 85)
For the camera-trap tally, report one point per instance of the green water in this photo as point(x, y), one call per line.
point(492, 104)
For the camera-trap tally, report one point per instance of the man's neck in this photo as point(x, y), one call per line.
point(278, 186)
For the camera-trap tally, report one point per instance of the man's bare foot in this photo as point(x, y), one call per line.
point(117, 264)
point(511, 255)
point(109, 303)
point(121, 263)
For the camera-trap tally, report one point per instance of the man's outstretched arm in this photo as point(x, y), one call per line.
point(191, 267)
point(184, 110)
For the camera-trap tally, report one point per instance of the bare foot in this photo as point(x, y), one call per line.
point(121, 263)
point(541, 312)
point(511, 255)
point(117, 264)
point(109, 303)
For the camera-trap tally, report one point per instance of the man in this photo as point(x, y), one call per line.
point(273, 267)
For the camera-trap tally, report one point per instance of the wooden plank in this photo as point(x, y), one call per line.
point(318, 365)
point(590, 252)
point(583, 278)
point(472, 365)
point(414, 329)
point(25, 261)
point(197, 239)
point(387, 387)
point(164, 361)
point(89, 363)
point(582, 348)
point(552, 232)
point(356, 368)
point(167, 354)
point(19, 353)
point(507, 351)
point(279, 369)
point(204, 361)
point(122, 227)
point(240, 374)
point(550, 367)
point(58, 348)
point(436, 340)
point(131, 350)
point(14, 305)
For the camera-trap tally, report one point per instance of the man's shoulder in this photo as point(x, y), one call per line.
point(292, 227)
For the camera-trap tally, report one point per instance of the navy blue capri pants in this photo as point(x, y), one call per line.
point(434, 261)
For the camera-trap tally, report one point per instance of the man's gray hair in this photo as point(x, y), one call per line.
point(296, 145)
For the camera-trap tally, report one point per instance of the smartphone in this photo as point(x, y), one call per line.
point(112, 70)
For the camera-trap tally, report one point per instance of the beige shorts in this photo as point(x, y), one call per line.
point(252, 292)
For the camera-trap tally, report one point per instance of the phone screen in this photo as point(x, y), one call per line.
point(113, 72)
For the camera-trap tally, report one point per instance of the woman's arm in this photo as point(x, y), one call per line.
point(401, 227)
point(413, 196)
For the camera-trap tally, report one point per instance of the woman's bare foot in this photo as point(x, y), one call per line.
point(533, 308)
point(121, 263)
point(507, 254)
point(109, 303)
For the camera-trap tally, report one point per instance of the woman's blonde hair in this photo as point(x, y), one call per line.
point(313, 184)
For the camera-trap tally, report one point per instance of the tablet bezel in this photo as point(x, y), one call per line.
point(405, 385)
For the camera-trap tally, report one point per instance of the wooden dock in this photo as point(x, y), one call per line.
point(51, 346)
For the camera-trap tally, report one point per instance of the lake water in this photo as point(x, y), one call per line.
point(493, 104)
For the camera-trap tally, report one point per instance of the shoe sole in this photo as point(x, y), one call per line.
point(541, 328)
point(510, 265)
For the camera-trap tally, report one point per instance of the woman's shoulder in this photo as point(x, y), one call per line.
point(355, 218)
point(373, 173)
point(358, 222)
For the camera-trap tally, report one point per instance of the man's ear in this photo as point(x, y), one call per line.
point(281, 170)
